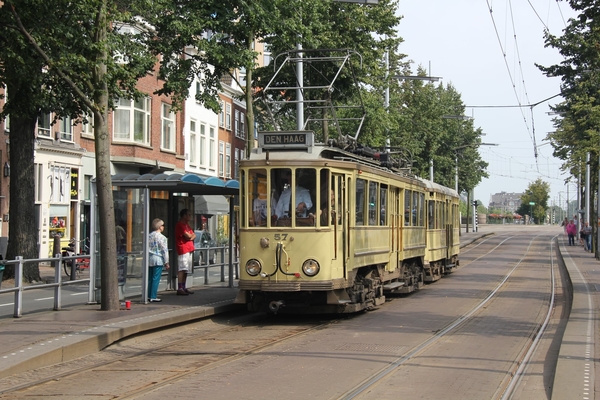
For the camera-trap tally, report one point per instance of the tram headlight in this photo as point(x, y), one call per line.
point(311, 267)
point(253, 267)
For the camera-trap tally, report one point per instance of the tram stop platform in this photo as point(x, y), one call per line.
point(48, 337)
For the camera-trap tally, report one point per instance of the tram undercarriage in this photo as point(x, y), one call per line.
point(367, 292)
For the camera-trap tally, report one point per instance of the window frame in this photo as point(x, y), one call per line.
point(65, 129)
point(43, 130)
point(221, 171)
point(167, 127)
point(228, 160)
point(133, 111)
point(228, 116)
point(193, 141)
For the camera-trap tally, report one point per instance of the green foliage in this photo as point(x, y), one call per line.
point(537, 192)
point(577, 128)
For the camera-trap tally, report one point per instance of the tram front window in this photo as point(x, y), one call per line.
point(295, 191)
point(257, 197)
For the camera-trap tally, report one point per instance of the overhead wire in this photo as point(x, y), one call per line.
point(508, 69)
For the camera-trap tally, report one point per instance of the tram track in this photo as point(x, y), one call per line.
point(514, 374)
point(121, 352)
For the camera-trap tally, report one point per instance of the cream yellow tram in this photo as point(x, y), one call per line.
point(323, 230)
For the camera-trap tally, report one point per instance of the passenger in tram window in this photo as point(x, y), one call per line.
point(259, 208)
point(325, 209)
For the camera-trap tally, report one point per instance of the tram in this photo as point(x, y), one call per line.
point(323, 230)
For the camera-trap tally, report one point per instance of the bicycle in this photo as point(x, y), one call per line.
point(79, 263)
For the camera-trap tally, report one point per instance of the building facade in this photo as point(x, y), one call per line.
point(506, 202)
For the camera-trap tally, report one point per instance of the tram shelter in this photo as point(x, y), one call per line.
point(138, 199)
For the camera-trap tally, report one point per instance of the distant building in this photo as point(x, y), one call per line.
point(507, 202)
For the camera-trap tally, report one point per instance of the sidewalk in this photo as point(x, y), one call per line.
point(575, 371)
point(46, 338)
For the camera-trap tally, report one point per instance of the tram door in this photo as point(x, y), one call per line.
point(339, 221)
point(394, 224)
point(449, 228)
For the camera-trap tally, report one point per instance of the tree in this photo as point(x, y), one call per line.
point(538, 193)
point(59, 57)
point(578, 127)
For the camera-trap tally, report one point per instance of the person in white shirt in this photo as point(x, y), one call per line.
point(303, 202)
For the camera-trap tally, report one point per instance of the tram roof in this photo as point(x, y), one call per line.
point(439, 188)
point(191, 184)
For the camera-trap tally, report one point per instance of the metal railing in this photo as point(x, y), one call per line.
point(74, 260)
point(58, 283)
point(219, 250)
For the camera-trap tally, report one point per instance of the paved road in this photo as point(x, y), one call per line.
point(472, 361)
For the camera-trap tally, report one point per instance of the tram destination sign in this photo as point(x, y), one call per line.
point(286, 140)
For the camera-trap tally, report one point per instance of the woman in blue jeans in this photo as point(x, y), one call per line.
point(159, 257)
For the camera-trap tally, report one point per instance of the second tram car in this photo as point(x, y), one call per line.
point(323, 230)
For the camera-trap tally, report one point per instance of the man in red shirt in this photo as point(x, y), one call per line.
point(184, 245)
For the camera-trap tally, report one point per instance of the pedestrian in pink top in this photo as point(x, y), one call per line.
point(571, 231)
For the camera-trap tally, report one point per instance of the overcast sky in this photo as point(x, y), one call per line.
point(459, 41)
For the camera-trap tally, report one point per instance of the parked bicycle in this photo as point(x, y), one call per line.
point(78, 263)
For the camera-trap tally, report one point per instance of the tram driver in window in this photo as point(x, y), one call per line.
point(302, 204)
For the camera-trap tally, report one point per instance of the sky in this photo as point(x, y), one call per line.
point(490, 59)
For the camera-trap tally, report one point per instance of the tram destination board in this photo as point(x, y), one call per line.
point(286, 140)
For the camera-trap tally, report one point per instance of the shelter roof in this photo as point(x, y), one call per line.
point(191, 184)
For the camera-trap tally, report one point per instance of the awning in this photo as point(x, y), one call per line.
point(211, 205)
point(177, 183)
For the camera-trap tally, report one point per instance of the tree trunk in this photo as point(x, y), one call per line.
point(23, 232)
point(106, 210)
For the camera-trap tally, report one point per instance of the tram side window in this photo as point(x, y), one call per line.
point(422, 209)
point(431, 214)
point(325, 211)
point(360, 201)
point(444, 214)
point(336, 200)
point(257, 196)
point(373, 214)
point(383, 205)
point(414, 210)
point(407, 208)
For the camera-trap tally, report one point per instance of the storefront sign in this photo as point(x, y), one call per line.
point(74, 184)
